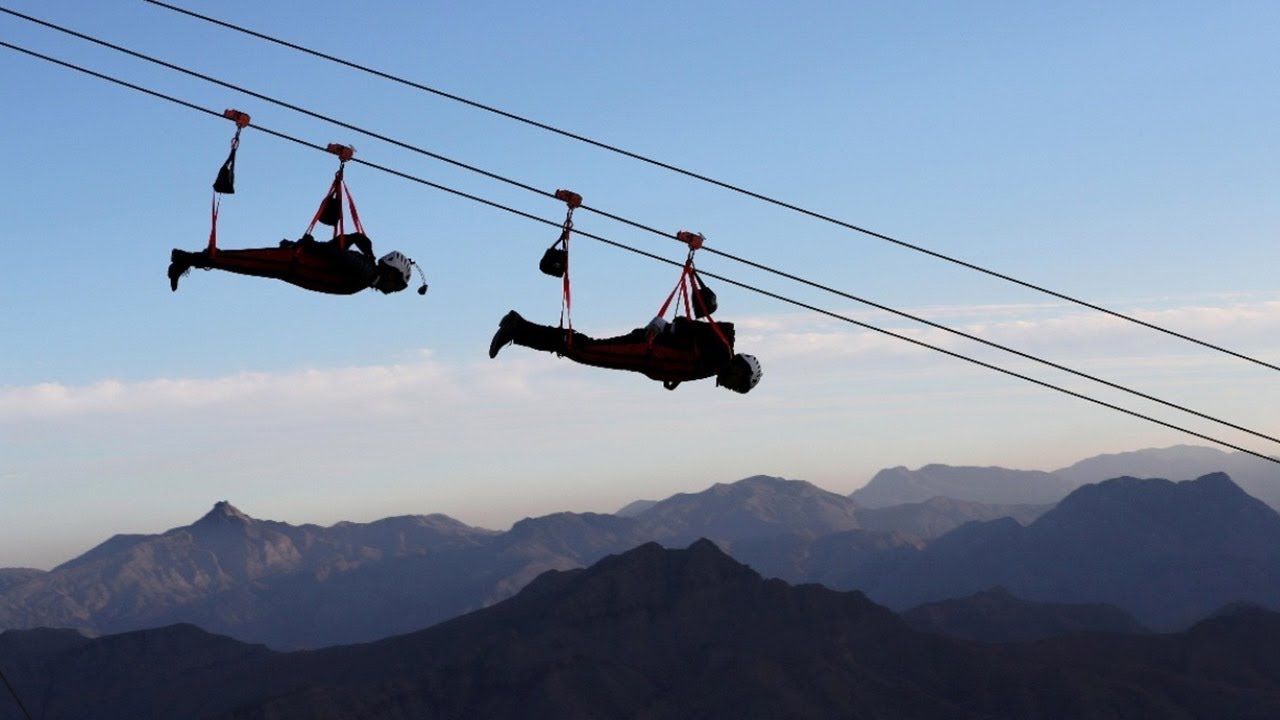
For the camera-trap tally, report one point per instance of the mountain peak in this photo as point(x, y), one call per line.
point(1216, 489)
point(224, 513)
point(1218, 482)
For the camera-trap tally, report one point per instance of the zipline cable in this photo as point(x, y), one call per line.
point(704, 178)
point(621, 246)
point(632, 223)
point(13, 691)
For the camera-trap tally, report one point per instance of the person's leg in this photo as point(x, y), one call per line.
point(515, 329)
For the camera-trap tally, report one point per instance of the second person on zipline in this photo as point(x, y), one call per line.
point(675, 352)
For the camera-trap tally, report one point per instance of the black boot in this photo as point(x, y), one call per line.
point(506, 332)
point(181, 262)
point(179, 265)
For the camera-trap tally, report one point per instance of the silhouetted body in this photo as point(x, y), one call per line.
point(324, 267)
point(683, 350)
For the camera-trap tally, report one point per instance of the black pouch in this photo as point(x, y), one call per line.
point(332, 211)
point(704, 301)
point(554, 261)
point(225, 184)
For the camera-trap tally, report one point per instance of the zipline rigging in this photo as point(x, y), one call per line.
point(343, 265)
point(551, 256)
point(658, 258)
point(692, 346)
point(632, 223)
point(727, 186)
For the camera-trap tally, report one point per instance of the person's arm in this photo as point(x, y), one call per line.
point(362, 243)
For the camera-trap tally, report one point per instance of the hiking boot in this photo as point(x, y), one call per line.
point(179, 265)
point(506, 332)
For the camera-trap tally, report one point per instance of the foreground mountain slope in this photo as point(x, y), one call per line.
point(1170, 553)
point(996, 615)
point(660, 634)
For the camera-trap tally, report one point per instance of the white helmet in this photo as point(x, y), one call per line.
point(399, 262)
point(742, 374)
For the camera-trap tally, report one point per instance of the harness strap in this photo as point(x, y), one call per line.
point(225, 182)
point(688, 280)
point(213, 226)
point(573, 200)
point(566, 303)
point(332, 202)
point(351, 203)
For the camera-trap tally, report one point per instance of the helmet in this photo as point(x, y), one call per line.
point(742, 373)
point(398, 262)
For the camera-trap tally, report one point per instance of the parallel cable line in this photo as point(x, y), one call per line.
point(14, 692)
point(613, 243)
point(789, 276)
point(727, 186)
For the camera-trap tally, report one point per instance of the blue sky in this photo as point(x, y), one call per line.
point(1121, 153)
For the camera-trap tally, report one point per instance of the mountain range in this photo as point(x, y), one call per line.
point(995, 485)
point(658, 633)
point(310, 586)
point(1169, 553)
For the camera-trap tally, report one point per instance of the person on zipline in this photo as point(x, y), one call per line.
point(326, 266)
point(344, 265)
point(671, 352)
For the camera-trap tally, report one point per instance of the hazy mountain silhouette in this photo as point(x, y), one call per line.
point(1167, 552)
point(940, 515)
point(996, 615)
point(1002, 486)
point(1256, 476)
point(13, 577)
point(635, 507)
point(659, 634)
point(759, 506)
point(844, 561)
point(993, 485)
point(308, 586)
point(225, 571)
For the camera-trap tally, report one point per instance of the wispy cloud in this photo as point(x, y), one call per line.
point(785, 343)
point(1039, 329)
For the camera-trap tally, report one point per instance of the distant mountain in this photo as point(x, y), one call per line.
point(658, 634)
point(846, 560)
point(1167, 552)
point(1002, 486)
point(940, 515)
point(995, 615)
point(224, 571)
point(308, 586)
point(13, 577)
point(636, 507)
point(297, 587)
point(991, 485)
point(1254, 475)
point(759, 506)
